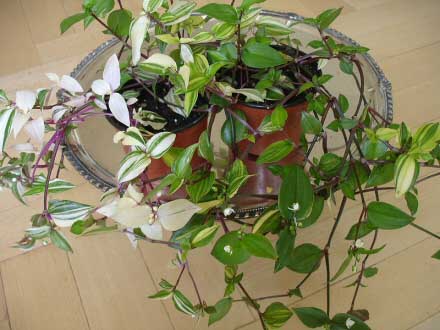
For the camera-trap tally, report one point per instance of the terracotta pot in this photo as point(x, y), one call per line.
point(263, 181)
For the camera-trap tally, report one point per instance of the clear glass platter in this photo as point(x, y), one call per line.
point(90, 147)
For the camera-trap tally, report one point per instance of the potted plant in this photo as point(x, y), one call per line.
point(185, 66)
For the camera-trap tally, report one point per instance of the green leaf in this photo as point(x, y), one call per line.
point(190, 101)
point(436, 255)
point(339, 321)
point(222, 308)
point(318, 206)
point(412, 202)
point(305, 258)
point(206, 150)
point(295, 188)
point(343, 102)
point(364, 229)
point(6, 119)
point(201, 188)
point(276, 315)
point(222, 12)
point(326, 18)
point(343, 267)
point(259, 246)
point(183, 304)
point(312, 317)
point(275, 152)
point(295, 292)
point(380, 175)
point(182, 165)
point(406, 172)
point(230, 250)
point(103, 7)
point(284, 248)
point(370, 271)
point(261, 56)
point(310, 124)
point(236, 184)
point(59, 240)
point(71, 20)
point(78, 227)
point(386, 216)
point(268, 221)
point(279, 116)
point(162, 294)
point(248, 3)
point(119, 22)
point(233, 130)
point(373, 149)
point(346, 66)
point(330, 163)
point(100, 230)
point(132, 165)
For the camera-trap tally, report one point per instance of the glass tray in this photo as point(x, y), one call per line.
point(91, 150)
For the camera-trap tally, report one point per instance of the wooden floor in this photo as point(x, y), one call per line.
point(104, 284)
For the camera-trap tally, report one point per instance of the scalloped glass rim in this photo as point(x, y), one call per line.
point(101, 177)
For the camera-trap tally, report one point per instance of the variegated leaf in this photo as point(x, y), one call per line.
point(133, 165)
point(65, 212)
point(176, 214)
point(159, 144)
point(55, 186)
point(6, 120)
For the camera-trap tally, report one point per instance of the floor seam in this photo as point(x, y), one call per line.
point(6, 301)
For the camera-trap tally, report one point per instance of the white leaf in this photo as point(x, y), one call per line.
point(70, 84)
point(53, 77)
point(134, 193)
point(119, 108)
point(25, 100)
point(130, 214)
point(58, 112)
point(186, 53)
point(76, 101)
point(153, 231)
point(19, 121)
point(108, 210)
point(161, 60)
point(159, 144)
point(100, 104)
point(24, 147)
point(131, 101)
point(132, 238)
point(35, 130)
point(185, 72)
point(137, 36)
point(176, 214)
point(152, 5)
point(112, 73)
point(101, 87)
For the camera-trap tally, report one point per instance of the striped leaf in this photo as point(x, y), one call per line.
point(152, 5)
point(59, 240)
point(183, 304)
point(65, 212)
point(190, 101)
point(158, 63)
point(276, 152)
point(55, 186)
point(133, 165)
point(406, 171)
point(6, 119)
point(223, 30)
point(160, 143)
point(273, 27)
point(178, 12)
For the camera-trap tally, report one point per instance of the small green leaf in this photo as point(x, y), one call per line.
point(295, 292)
point(222, 12)
point(305, 258)
point(343, 267)
point(205, 236)
point(343, 102)
point(318, 207)
point(59, 240)
point(161, 295)
point(386, 216)
point(119, 22)
point(236, 184)
point(71, 20)
point(230, 250)
point(412, 202)
point(326, 18)
point(295, 188)
point(276, 315)
point(222, 308)
point(312, 317)
point(436, 255)
point(359, 231)
point(380, 175)
point(310, 124)
point(259, 246)
point(276, 152)
point(370, 272)
point(205, 147)
point(261, 56)
point(279, 116)
point(182, 165)
point(284, 247)
point(201, 188)
point(346, 66)
point(234, 131)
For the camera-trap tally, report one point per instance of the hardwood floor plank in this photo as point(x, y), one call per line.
point(432, 323)
point(399, 295)
point(4, 315)
point(114, 284)
point(40, 292)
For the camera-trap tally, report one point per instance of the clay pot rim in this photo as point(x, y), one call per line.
point(261, 106)
point(202, 116)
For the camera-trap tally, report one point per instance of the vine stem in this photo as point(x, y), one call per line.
point(424, 230)
point(196, 289)
point(157, 241)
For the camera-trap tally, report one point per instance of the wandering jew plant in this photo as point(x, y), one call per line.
point(181, 65)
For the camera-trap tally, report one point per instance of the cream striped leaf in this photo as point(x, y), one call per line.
point(160, 143)
point(151, 6)
point(65, 212)
point(183, 304)
point(133, 165)
point(405, 174)
point(55, 186)
point(6, 120)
